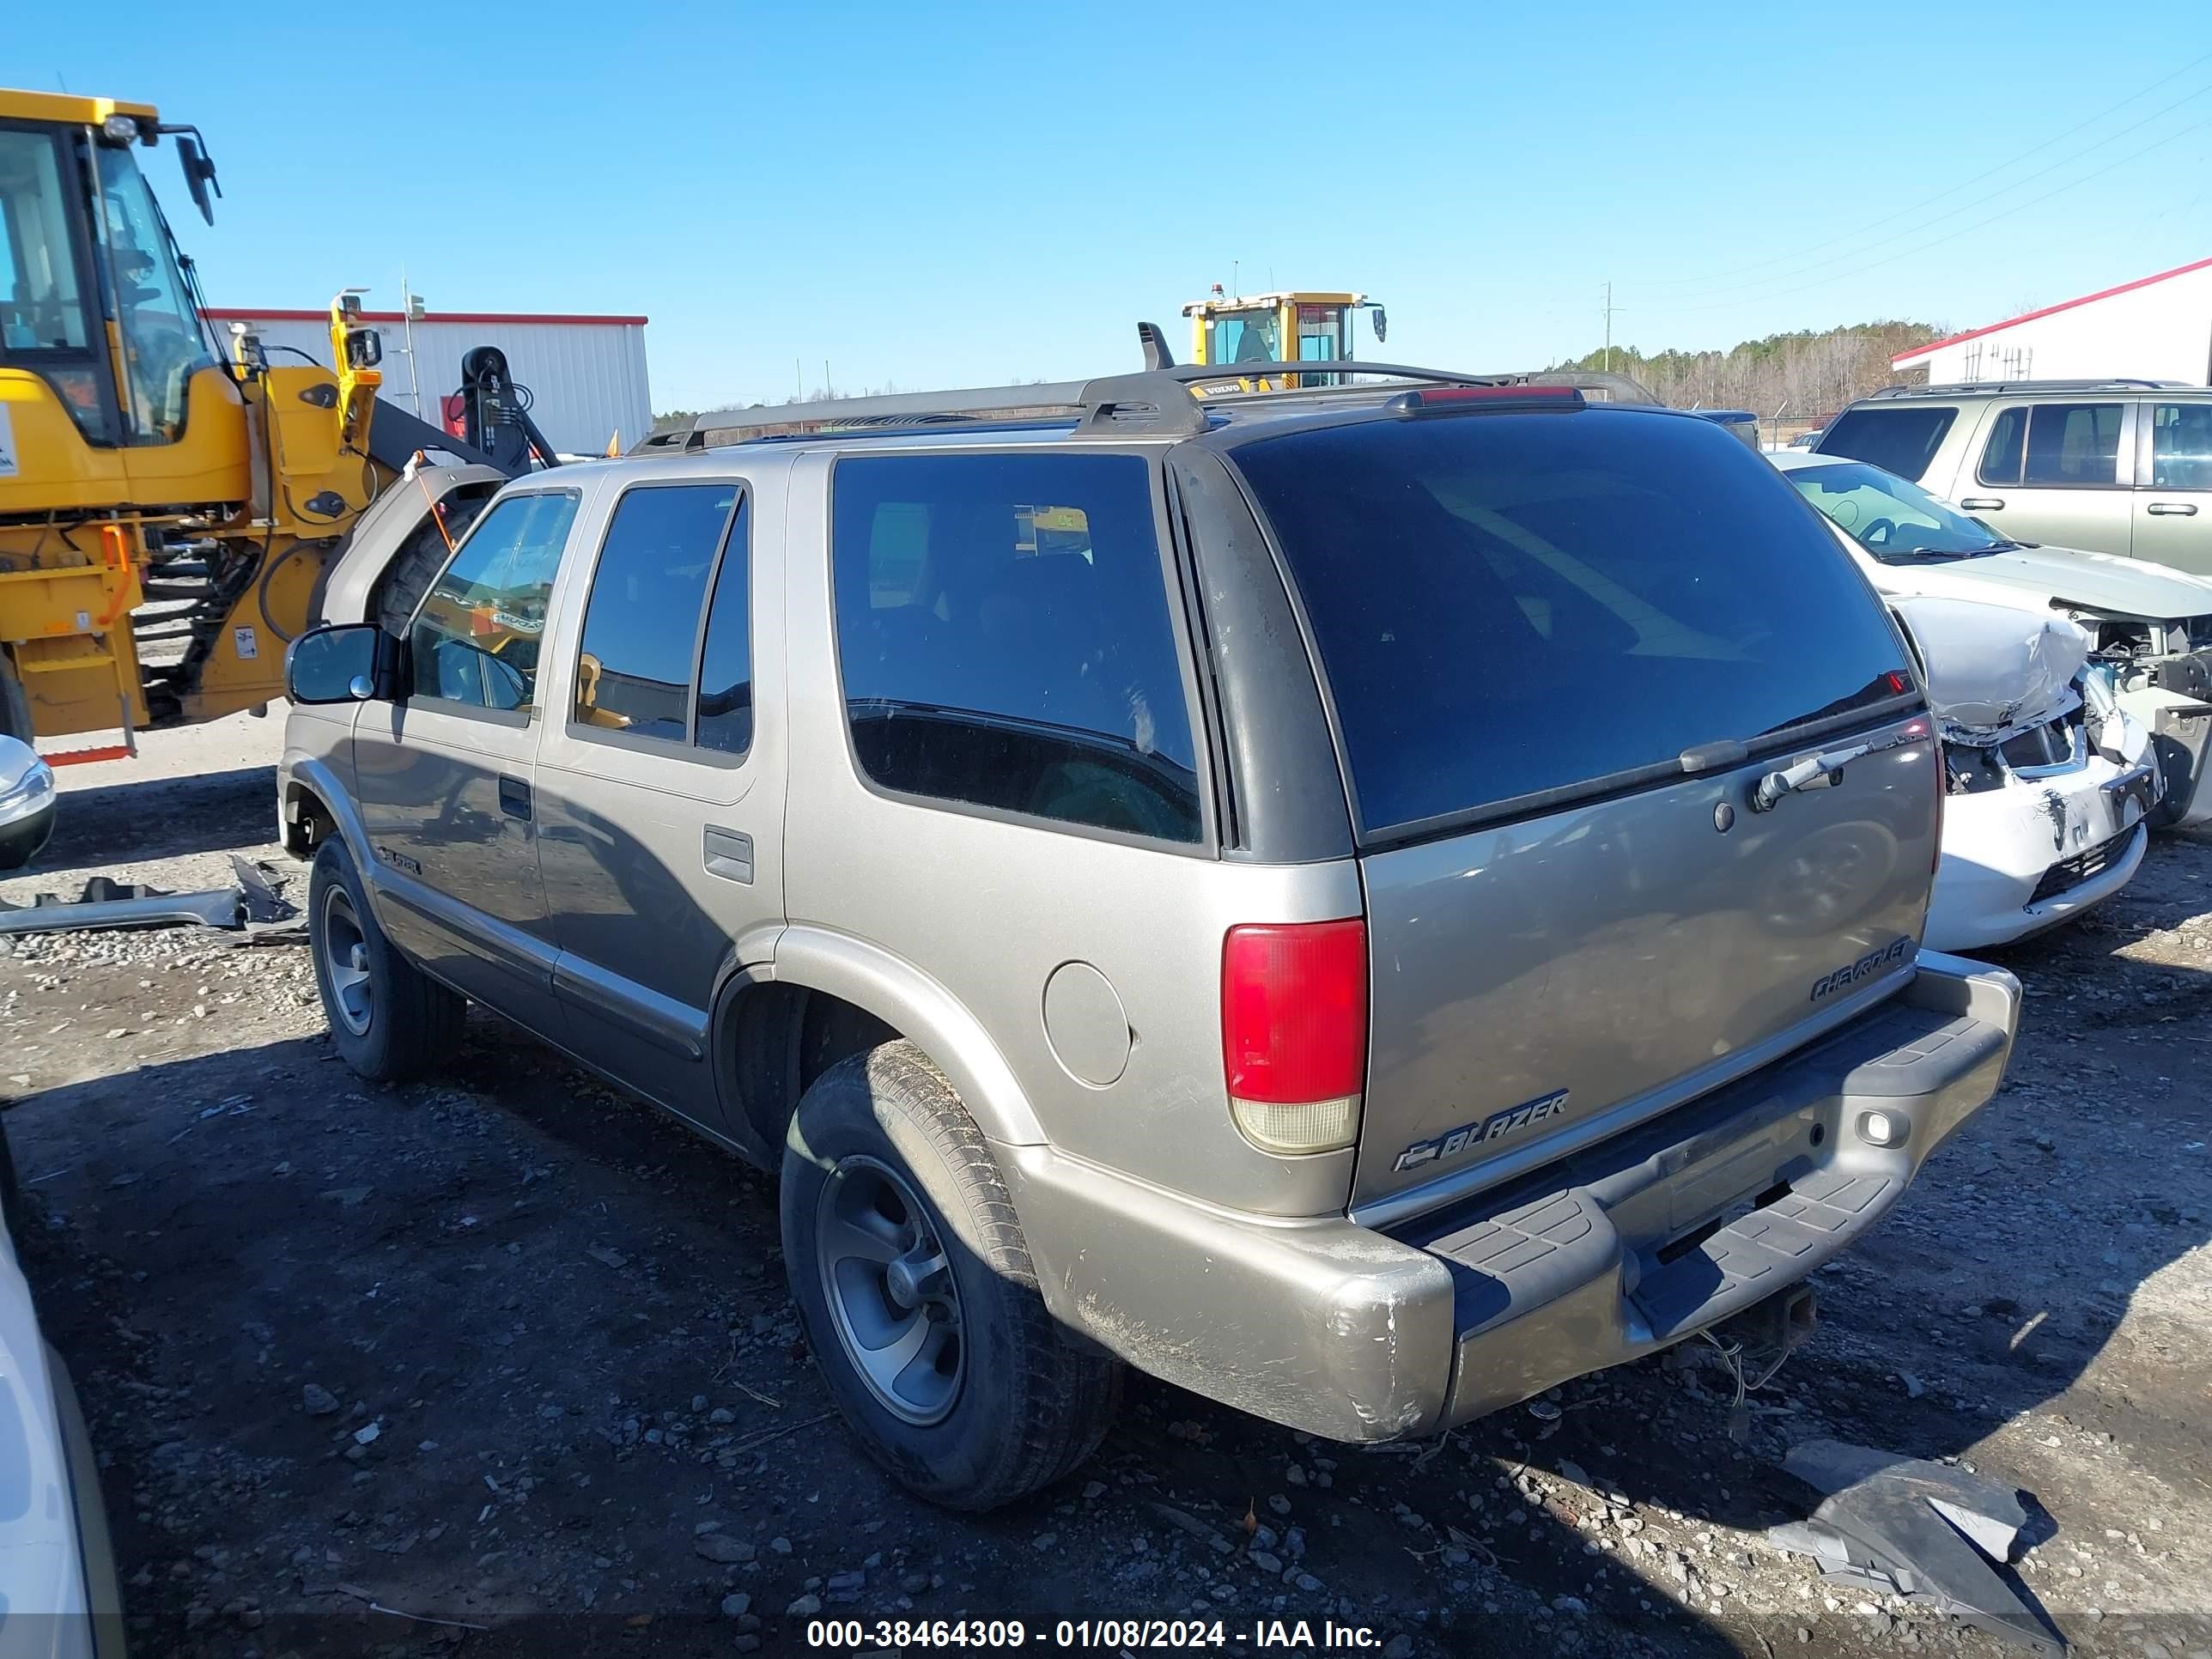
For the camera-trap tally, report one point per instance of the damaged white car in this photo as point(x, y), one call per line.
point(2049, 782)
point(2149, 626)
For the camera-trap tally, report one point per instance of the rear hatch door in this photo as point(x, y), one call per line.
point(1562, 649)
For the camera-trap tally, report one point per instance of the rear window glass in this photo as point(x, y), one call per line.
point(1899, 438)
point(1510, 604)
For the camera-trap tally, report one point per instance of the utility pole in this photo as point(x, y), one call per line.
point(1609, 309)
point(411, 313)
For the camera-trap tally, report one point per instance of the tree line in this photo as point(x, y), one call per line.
point(1807, 375)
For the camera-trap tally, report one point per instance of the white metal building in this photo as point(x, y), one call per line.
point(2156, 328)
point(585, 374)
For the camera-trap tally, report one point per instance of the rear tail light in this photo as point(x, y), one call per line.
point(1294, 1032)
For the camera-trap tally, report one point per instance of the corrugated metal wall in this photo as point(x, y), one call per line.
point(587, 376)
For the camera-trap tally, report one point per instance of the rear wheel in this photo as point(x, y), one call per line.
point(389, 1020)
point(918, 1294)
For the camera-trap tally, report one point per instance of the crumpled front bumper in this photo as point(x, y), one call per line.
point(1618, 1251)
point(2042, 850)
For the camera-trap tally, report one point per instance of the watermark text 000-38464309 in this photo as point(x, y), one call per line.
point(1077, 1635)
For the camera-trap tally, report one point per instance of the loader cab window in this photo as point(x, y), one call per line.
point(1244, 336)
point(1323, 334)
point(163, 343)
point(45, 315)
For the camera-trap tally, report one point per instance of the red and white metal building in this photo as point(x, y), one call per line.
point(585, 373)
point(2155, 328)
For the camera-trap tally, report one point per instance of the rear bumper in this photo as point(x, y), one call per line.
point(1618, 1251)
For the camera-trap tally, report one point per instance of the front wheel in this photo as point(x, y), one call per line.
point(918, 1295)
point(389, 1020)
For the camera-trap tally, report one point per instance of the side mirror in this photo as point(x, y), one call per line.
point(199, 173)
point(26, 803)
point(1381, 325)
point(357, 663)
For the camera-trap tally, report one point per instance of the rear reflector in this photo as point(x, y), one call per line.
point(1294, 1032)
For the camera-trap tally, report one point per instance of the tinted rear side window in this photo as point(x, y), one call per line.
point(2067, 445)
point(1899, 438)
point(1003, 635)
point(1510, 604)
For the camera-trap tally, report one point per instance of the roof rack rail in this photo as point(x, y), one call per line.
point(1169, 400)
point(1954, 388)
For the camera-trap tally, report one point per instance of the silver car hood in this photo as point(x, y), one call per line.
point(1994, 670)
point(2065, 576)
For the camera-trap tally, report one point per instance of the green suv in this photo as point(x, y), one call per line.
point(2111, 466)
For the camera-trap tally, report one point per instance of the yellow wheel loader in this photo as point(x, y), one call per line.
point(1299, 327)
point(167, 506)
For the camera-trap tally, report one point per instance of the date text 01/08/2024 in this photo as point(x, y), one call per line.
point(899, 1634)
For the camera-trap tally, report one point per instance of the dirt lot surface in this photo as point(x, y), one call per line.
point(511, 1352)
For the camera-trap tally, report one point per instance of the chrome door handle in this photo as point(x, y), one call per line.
point(1981, 503)
point(729, 854)
point(2173, 509)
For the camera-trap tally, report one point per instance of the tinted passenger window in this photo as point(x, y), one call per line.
point(1901, 438)
point(1003, 638)
point(2065, 444)
point(1507, 604)
point(725, 665)
point(2181, 447)
point(641, 622)
point(475, 640)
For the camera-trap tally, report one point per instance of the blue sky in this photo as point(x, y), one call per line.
point(937, 194)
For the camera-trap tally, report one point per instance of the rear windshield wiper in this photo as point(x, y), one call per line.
point(1824, 770)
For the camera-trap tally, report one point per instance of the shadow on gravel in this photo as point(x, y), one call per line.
point(163, 818)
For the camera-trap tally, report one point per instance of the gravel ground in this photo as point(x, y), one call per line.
point(511, 1352)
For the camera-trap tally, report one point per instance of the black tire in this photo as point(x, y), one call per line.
point(407, 1024)
point(1030, 1402)
point(14, 702)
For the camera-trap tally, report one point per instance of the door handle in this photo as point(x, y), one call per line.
point(1981, 503)
point(514, 798)
point(729, 854)
point(2173, 509)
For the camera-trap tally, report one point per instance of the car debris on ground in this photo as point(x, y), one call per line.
point(252, 903)
point(1924, 1530)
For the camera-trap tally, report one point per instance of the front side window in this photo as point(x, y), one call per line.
point(2181, 447)
point(475, 639)
point(163, 343)
point(1004, 638)
point(2055, 445)
point(1511, 604)
point(1897, 521)
point(641, 620)
point(1897, 438)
